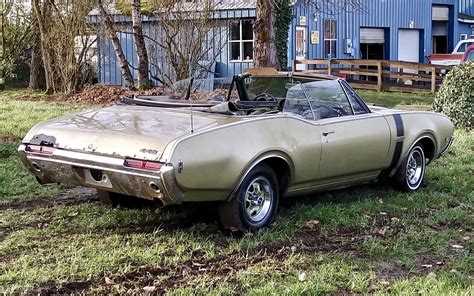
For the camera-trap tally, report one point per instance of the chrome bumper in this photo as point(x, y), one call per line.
point(78, 168)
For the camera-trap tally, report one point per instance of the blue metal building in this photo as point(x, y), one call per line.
point(407, 30)
point(385, 29)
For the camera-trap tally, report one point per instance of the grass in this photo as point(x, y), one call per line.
point(372, 239)
point(392, 99)
point(18, 116)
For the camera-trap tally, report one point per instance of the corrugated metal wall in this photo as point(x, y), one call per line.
point(391, 15)
point(109, 68)
point(466, 7)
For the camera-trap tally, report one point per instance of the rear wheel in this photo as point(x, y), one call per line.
point(410, 175)
point(255, 203)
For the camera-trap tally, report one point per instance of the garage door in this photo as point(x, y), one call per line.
point(409, 45)
point(372, 36)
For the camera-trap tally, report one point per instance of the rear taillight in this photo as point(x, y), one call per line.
point(46, 150)
point(142, 164)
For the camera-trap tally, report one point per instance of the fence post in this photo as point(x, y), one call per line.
point(329, 67)
point(293, 66)
point(433, 80)
point(379, 76)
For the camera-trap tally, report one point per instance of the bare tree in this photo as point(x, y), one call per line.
point(111, 32)
point(65, 39)
point(42, 12)
point(35, 60)
point(143, 76)
point(188, 40)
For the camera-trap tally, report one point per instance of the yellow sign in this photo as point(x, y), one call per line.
point(303, 21)
point(314, 37)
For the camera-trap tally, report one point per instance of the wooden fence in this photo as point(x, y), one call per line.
point(379, 75)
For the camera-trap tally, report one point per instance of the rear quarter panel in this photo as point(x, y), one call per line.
point(215, 160)
point(418, 125)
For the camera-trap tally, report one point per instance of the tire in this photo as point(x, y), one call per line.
point(409, 176)
point(255, 203)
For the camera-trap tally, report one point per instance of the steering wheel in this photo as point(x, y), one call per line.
point(339, 110)
point(265, 97)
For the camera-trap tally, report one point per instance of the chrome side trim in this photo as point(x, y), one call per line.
point(450, 141)
point(402, 157)
point(252, 166)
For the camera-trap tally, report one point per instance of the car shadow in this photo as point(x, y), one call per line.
point(202, 218)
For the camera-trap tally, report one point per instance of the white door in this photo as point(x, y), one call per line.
point(409, 45)
point(301, 46)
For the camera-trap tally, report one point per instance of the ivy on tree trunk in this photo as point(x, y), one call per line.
point(283, 21)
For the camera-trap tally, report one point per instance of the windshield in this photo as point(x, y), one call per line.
point(276, 86)
point(317, 100)
point(462, 48)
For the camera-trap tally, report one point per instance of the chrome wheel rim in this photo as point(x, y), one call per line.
point(415, 168)
point(258, 199)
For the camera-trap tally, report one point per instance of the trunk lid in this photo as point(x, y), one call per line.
point(122, 131)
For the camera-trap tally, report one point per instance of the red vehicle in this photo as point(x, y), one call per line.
point(468, 55)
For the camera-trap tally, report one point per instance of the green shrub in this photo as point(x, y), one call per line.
point(456, 96)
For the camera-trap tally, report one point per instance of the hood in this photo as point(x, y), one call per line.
point(123, 131)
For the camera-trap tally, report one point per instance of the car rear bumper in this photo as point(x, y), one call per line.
point(104, 173)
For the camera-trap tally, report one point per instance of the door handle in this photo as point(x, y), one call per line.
point(327, 133)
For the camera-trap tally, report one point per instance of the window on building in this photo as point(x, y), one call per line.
point(241, 41)
point(330, 38)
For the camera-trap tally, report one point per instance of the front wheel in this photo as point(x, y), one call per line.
point(410, 174)
point(254, 206)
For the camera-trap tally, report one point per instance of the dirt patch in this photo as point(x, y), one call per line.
point(6, 139)
point(70, 196)
point(346, 241)
point(68, 288)
point(225, 267)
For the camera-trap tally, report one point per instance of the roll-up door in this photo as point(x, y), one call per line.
point(409, 45)
point(372, 36)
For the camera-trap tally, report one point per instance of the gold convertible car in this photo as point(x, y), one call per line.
point(253, 140)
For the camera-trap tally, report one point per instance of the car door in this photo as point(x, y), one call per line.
point(355, 141)
point(353, 145)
